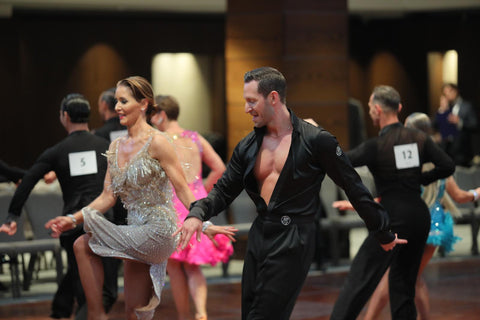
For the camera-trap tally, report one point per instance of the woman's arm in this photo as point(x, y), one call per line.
point(213, 161)
point(459, 195)
point(102, 203)
point(163, 151)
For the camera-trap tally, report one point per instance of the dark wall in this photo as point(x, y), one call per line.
point(394, 52)
point(44, 56)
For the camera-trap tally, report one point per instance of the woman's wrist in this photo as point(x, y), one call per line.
point(74, 220)
point(205, 225)
point(474, 193)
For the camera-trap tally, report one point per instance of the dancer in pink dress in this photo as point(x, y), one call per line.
point(184, 265)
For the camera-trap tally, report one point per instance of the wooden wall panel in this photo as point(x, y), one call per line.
point(323, 5)
point(317, 79)
point(306, 40)
point(97, 70)
point(330, 116)
point(249, 6)
point(239, 124)
point(316, 33)
point(253, 36)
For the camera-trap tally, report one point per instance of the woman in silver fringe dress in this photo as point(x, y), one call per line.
point(142, 168)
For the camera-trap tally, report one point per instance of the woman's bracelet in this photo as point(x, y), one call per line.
point(205, 225)
point(475, 194)
point(74, 221)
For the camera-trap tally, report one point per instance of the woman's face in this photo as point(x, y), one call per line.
point(129, 109)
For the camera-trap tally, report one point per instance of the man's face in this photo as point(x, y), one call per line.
point(373, 111)
point(255, 104)
point(450, 93)
point(102, 107)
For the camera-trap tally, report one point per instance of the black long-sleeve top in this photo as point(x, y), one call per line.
point(9, 173)
point(111, 125)
point(401, 174)
point(78, 189)
point(313, 153)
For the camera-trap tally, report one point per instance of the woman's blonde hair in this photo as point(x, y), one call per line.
point(430, 193)
point(422, 122)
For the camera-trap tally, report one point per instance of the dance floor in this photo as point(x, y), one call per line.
point(454, 286)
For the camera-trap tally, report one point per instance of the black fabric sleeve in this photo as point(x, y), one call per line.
point(227, 188)
point(444, 165)
point(339, 168)
point(363, 155)
point(29, 180)
point(10, 173)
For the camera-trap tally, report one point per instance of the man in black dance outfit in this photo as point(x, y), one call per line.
point(281, 164)
point(80, 168)
point(395, 159)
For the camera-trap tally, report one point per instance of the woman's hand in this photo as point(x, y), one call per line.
point(213, 230)
point(59, 225)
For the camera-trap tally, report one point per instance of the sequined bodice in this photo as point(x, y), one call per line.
point(142, 185)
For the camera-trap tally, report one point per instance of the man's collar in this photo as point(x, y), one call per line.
point(385, 129)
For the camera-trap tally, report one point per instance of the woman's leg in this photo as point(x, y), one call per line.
point(90, 268)
point(421, 293)
point(179, 286)
point(198, 289)
point(138, 288)
point(378, 300)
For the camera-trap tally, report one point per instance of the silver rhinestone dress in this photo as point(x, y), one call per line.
point(146, 193)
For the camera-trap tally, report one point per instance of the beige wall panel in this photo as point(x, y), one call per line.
point(316, 33)
point(316, 79)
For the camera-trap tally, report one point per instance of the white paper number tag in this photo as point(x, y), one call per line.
point(82, 163)
point(118, 133)
point(406, 156)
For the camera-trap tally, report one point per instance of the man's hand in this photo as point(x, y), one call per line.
point(391, 245)
point(50, 177)
point(443, 106)
point(453, 119)
point(186, 231)
point(9, 228)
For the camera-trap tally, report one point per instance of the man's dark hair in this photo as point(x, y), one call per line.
point(269, 79)
point(450, 85)
point(387, 97)
point(77, 107)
